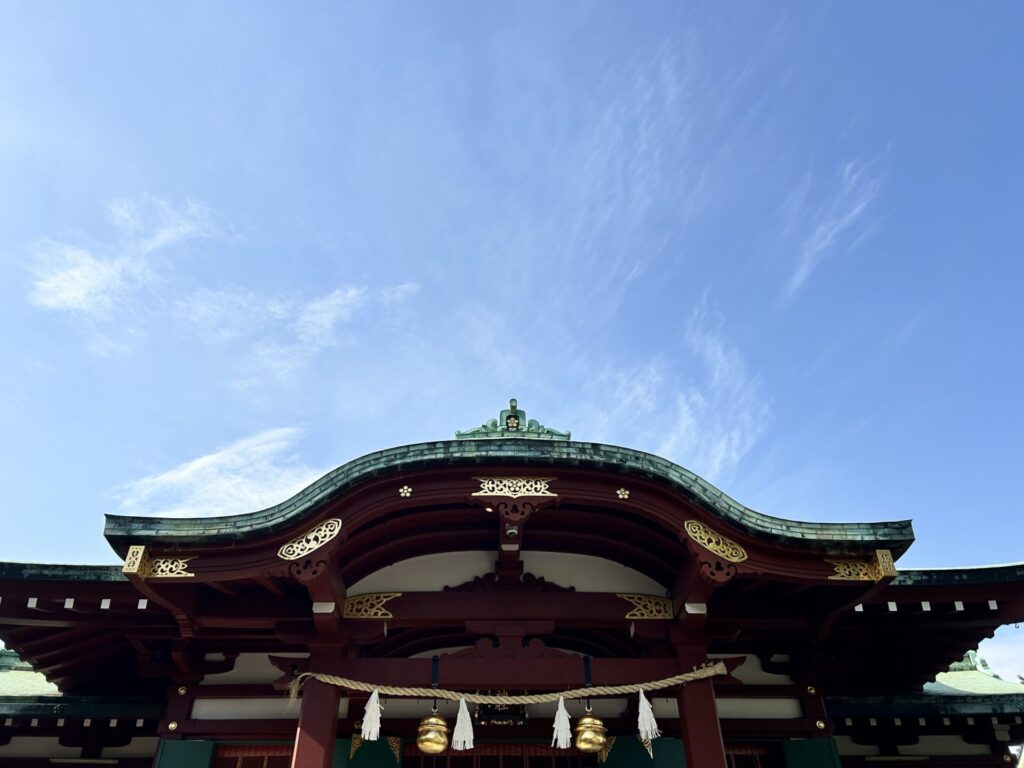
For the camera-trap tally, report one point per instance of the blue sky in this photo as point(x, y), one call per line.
point(779, 244)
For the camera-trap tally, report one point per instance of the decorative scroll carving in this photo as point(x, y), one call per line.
point(169, 568)
point(514, 487)
point(727, 549)
point(854, 570)
point(306, 569)
point(311, 540)
point(863, 569)
point(139, 563)
point(369, 606)
point(490, 582)
point(648, 607)
point(716, 571)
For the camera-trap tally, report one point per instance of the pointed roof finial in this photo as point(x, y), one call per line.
point(512, 422)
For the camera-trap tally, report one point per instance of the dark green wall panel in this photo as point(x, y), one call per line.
point(184, 754)
point(812, 753)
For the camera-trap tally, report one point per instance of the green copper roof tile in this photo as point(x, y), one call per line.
point(122, 531)
point(48, 572)
point(989, 574)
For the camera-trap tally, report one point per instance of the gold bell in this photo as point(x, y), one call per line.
point(432, 736)
point(591, 735)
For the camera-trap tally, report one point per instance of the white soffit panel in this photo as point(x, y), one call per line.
point(251, 709)
point(759, 709)
point(588, 574)
point(250, 668)
point(427, 573)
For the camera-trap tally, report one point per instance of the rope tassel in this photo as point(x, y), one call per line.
point(562, 737)
point(371, 717)
point(646, 723)
point(462, 736)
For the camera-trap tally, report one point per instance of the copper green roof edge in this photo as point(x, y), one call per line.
point(82, 706)
point(924, 704)
point(1012, 573)
point(122, 531)
point(53, 572)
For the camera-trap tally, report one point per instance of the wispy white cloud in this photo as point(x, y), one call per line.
point(838, 217)
point(227, 314)
point(74, 280)
point(707, 422)
point(395, 295)
point(247, 475)
point(94, 284)
point(282, 335)
point(318, 319)
point(719, 418)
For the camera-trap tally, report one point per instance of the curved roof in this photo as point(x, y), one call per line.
point(121, 531)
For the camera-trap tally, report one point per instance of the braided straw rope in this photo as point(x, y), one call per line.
point(700, 673)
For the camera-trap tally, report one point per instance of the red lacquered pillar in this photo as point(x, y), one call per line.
point(318, 726)
point(698, 723)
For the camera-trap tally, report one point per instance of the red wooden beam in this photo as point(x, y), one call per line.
point(470, 674)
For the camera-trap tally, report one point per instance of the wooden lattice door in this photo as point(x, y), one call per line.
point(254, 756)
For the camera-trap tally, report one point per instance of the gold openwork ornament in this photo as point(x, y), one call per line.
point(714, 542)
point(395, 745)
point(311, 540)
point(514, 487)
point(647, 745)
point(369, 606)
point(648, 607)
point(863, 569)
point(169, 568)
point(138, 562)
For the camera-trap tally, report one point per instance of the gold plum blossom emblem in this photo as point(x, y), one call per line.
point(405, 491)
point(622, 493)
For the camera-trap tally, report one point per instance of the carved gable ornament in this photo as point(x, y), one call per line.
point(311, 540)
point(714, 542)
point(514, 487)
point(138, 562)
point(863, 569)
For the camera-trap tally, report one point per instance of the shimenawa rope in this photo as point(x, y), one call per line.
point(700, 673)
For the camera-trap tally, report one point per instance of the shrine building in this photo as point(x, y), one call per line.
point(509, 563)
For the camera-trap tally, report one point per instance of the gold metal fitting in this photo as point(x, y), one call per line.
point(820, 725)
point(172, 726)
point(811, 690)
point(591, 735)
point(182, 690)
point(432, 735)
